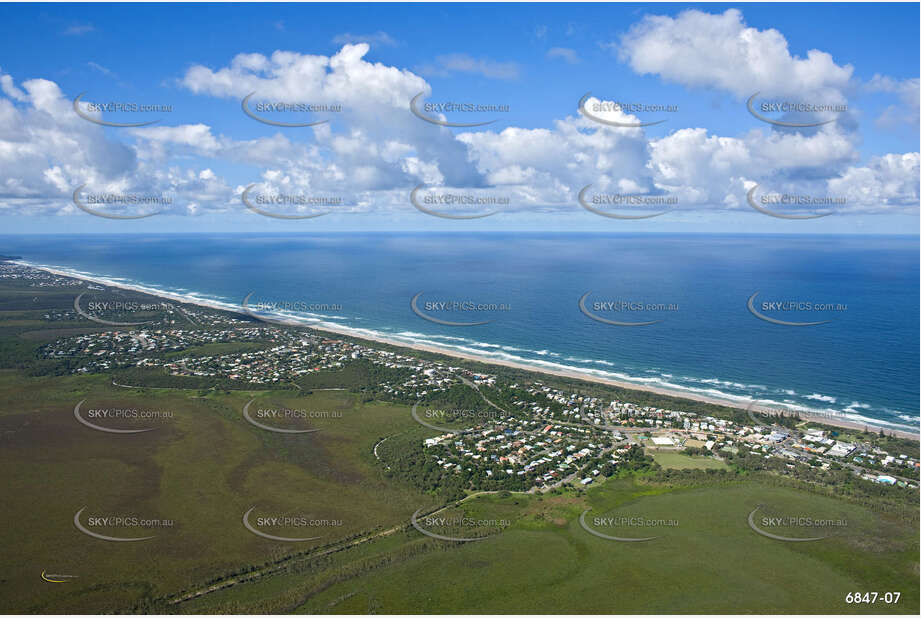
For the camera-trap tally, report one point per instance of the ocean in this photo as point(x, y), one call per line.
point(861, 363)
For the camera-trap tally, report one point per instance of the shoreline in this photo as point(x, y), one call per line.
point(575, 374)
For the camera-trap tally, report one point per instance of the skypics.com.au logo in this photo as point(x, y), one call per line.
point(273, 418)
point(596, 110)
point(623, 307)
point(794, 108)
point(427, 417)
point(618, 526)
point(766, 309)
point(279, 524)
point(793, 206)
point(119, 205)
point(455, 306)
point(457, 204)
point(423, 111)
point(614, 205)
point(794, 527)
point(125, 522)
point(112, 307)
point(288, 206)
point(286, 312)
point(93, 418)
point(92, 112)
point(262, 111)
point(457, 527)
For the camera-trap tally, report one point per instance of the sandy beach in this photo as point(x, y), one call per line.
point(825, 419)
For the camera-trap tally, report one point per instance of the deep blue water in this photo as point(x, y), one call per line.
point(864, 362)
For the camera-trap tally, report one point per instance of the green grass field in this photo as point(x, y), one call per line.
point(217, 349)
point(678, 461)
point(546, 563)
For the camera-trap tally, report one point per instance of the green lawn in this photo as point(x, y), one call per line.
point(218, 349)
point(678, 461)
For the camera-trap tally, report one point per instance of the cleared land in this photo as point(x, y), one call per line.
point(679, 461)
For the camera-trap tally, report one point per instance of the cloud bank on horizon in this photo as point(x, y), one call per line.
point(373, 150)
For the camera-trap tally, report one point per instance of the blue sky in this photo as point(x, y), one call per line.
point(704, 60)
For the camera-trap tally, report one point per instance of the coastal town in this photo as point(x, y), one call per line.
point(530, 454)
point(546, 443)
point(539, 438)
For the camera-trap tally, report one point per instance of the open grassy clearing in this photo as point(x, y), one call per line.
point(679, 461)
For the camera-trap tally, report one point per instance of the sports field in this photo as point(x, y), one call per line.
point(679, 461)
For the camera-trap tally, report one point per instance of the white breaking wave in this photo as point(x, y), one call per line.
point(502, 352)
point(727, 383)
